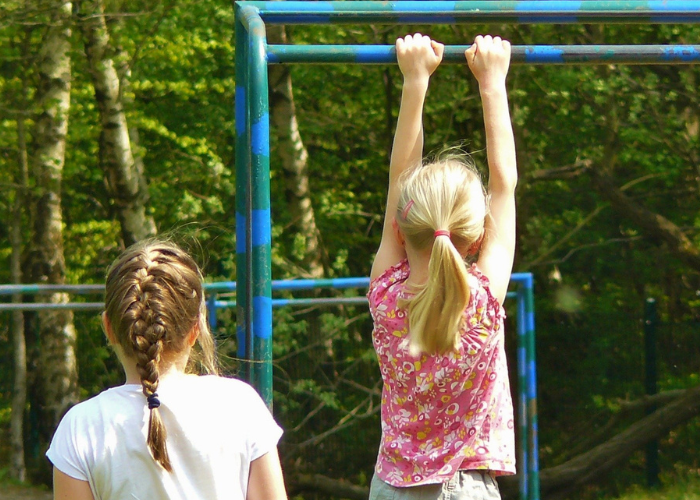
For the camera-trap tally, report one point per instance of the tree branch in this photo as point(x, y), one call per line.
point(624, 408)
point(565, 172)
point(566, 237)
point(336, 488)
point(655, 225)
point(561, 479)
point(557, 481)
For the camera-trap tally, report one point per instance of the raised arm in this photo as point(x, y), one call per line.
point(488, 59)
point(418, 57)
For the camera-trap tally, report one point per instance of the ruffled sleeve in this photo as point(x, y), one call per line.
point(379, 286)
point(484, 315)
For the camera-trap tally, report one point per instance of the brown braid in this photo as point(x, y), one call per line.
point(146, 334)
point(154, 300)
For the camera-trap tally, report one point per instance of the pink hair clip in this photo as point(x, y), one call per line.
point(442, 232)
point(404, 212)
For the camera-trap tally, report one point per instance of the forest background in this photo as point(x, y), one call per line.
point(117, 123)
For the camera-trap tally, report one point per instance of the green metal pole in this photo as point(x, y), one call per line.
point(523, 428)
point(244, 328)
point(650, 384)
point(260, 214)
point(533, 462)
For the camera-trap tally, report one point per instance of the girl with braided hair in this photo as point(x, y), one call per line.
point(165, 433)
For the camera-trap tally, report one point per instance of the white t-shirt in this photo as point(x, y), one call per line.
point(215, 428)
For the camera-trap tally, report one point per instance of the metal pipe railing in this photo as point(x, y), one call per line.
point(472, 12)
point(525, 54)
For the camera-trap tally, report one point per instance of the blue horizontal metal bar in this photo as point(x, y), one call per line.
point(221, 286)
point(440, 12)
point(44, 306)
point(522, 278)
point(320, 283)
point(525, 54)
point(304, 302)
point(31, 289)
point(336, 283)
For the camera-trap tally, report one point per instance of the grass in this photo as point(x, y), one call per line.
point(682, 488)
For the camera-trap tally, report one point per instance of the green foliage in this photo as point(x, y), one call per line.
point(593, 266)
point(685, 487)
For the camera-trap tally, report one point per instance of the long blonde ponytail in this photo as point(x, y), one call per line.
point(446, 197)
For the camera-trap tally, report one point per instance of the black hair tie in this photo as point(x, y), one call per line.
point(153, 401)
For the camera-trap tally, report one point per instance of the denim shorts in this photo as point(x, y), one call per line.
point(465, 485)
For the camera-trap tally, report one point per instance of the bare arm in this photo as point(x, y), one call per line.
point(418, 57)
point(489, 58)
point(69, 488)
point(265, 481)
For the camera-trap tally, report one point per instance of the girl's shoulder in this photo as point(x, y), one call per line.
point(395, 274)
point(481, 299)
point(386, 282)
point(478, 278)
point(111, 401)
point(210, 386)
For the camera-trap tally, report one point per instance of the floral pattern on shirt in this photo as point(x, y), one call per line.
point(444, 412)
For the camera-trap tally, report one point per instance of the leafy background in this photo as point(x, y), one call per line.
point(590, 288)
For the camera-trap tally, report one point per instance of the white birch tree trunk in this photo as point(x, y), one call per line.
point(124, 175)
point(57, 376)
point(18, 469)
point(294, 159)
point(19, 346)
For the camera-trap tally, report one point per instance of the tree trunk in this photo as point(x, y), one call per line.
point(124, 176)
point(19, 347)
point(327, 486)
point(653, 224)
point(294, 159)
point(558, 481)
point(57, 378)
point(555, 482)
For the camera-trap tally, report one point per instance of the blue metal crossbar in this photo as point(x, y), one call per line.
point(527, 54)
point(512, 12)
point(219, 286)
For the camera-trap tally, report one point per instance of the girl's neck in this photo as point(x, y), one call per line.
point(418, 262)
point(132, 376)
point(176, 367)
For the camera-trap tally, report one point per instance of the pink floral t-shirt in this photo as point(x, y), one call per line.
point(445, 412)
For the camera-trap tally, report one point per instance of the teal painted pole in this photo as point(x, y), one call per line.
point(533, 451)
point(528, 457)
point(260, 214)
point(650, 386)
point(244, 326)
point(523, 456)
